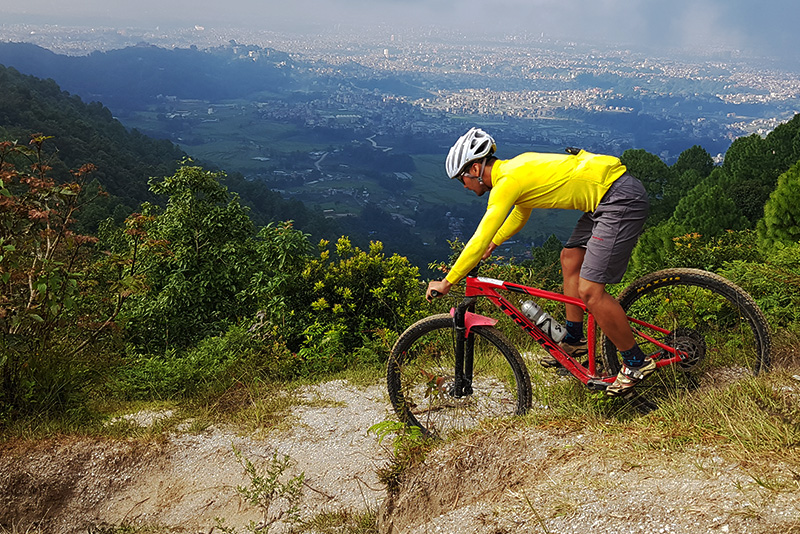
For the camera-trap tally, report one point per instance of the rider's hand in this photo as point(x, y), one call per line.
point(489, 251)
point(440, 286)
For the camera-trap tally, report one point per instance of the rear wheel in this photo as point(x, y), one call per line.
point(717, 325)
point(421, 376)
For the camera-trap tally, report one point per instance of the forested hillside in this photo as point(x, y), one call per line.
point(83, 133)
point(124, 159)
point(134, 76)
point(695, 197)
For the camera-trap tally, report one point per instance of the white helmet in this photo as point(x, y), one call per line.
point(472, 146)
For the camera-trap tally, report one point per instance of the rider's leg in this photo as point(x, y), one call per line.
point(573, 344)
point(571, 261)
point(612, 320)
point(608, 313)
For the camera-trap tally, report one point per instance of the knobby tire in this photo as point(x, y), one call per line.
point(420, 375)
point(717, 323)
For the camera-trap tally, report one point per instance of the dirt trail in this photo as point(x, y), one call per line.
point(188, 480)
point(511, 481)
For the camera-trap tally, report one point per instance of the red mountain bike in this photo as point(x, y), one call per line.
point(447, 372)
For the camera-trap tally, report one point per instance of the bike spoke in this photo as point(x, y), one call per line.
point(422, 380)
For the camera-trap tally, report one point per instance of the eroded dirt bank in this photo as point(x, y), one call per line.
point(526, 481)
point(512, 480)
point(187, 480)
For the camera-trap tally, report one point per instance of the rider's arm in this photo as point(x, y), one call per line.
point(514, 223)
point(496, 211)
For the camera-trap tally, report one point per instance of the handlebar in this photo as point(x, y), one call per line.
point(473, 273)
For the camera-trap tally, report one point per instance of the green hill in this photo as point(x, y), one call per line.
point(125, 159)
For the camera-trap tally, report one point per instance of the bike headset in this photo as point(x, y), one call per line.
point(470, 147)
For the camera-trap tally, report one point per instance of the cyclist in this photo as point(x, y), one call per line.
point(615, 207)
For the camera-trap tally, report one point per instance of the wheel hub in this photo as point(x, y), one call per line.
point(690, 344)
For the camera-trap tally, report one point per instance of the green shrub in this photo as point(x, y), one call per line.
point(58, 302)
point(198, 276)
point(352, 298)
point(667, 246)
point(210, 368)
point(774, 284)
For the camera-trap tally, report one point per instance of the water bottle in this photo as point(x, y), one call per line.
point(544, 320)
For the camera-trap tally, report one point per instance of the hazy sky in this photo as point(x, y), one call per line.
point(755, 26)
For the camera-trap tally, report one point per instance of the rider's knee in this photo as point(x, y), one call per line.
point(591, 292)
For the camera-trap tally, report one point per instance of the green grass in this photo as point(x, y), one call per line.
point(340, 522)
point(754, 419)
point(235, 139)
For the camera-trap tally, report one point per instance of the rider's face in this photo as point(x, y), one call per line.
point(471, 181)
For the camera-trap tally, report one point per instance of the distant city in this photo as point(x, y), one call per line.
point(520, 77)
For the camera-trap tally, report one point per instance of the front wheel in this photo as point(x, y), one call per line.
point(421, 373)
point(718, 326)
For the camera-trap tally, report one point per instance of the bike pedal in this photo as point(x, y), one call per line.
point(596, 385)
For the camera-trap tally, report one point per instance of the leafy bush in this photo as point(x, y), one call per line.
point(666, 246)
point(775, 284)
point(57, 299)
point(210, 368)
point(282, 253)
point(197, 287)
point(349, 299)
point(711, 254)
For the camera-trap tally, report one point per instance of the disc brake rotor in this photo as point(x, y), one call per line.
point(691, 344)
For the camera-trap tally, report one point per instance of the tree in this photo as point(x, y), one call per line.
point(696, 159)
point(548, 254)
point(656, 245)
point(199, 287)
point(781, 222)
point(784, 143)
point(707, 210)
point(750, 168)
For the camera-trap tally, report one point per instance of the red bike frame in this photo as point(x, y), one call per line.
point(479, 286)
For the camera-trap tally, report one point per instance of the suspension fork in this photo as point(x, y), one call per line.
point(465, 345)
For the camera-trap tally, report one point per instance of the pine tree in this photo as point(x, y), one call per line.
point(781, 222)
point(707, 210)
point(656, 176)
point(694, 159)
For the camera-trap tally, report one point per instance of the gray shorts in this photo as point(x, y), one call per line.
point(610, 232)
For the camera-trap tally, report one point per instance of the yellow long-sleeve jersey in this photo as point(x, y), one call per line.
point(536, 180)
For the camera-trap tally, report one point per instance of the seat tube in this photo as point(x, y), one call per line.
point(591, 329)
